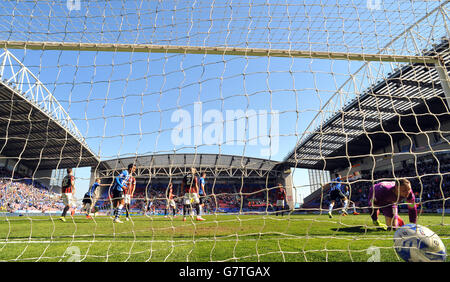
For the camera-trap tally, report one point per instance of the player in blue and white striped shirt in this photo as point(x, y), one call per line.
point(350, 202)
point(336, 194)
point(120, 182)
point(89, 197)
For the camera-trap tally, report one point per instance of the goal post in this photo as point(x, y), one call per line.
point(224, 51)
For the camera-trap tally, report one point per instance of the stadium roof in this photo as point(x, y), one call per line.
point(34, 127)
point(409, 101)
point(178, 164)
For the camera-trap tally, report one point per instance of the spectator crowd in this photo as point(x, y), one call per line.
point(18, 196)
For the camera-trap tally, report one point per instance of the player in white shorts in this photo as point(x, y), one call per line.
point(149, 207)
point(128, 195)
point(170, 202)
point(190, 187)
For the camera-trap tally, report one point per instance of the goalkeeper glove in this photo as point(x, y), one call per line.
point(379, 224)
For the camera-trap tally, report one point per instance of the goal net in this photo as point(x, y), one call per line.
point(267, 100)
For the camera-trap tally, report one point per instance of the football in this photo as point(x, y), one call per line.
point(416, 243)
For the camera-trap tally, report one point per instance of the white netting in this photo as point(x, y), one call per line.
point(254, 93)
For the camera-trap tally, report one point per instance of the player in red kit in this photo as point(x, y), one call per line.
point(128, 195)
point(170, 203)
point(281, 198)
point(67, 191)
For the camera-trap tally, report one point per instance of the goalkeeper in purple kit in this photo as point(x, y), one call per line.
point(385, 196)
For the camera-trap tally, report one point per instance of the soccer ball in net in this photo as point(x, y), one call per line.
point(416, 243)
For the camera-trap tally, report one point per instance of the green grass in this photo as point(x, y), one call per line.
point(232, 238)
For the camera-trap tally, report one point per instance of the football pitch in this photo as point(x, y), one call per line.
point(224, 238)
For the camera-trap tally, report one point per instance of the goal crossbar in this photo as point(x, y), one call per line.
point(225, 51)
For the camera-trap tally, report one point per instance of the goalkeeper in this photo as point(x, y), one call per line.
point(385, 196)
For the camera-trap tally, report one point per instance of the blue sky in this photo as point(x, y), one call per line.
point(123, 102)
point(122, 119)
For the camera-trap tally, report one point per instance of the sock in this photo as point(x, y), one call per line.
point(330, 208)
point(197, 210)
point(117, 211)
point(66, 208)
point(345, 205)
point(88, 208)
point(374, 214)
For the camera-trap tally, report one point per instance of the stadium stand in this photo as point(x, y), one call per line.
point(226, 198)
point(230, 187)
